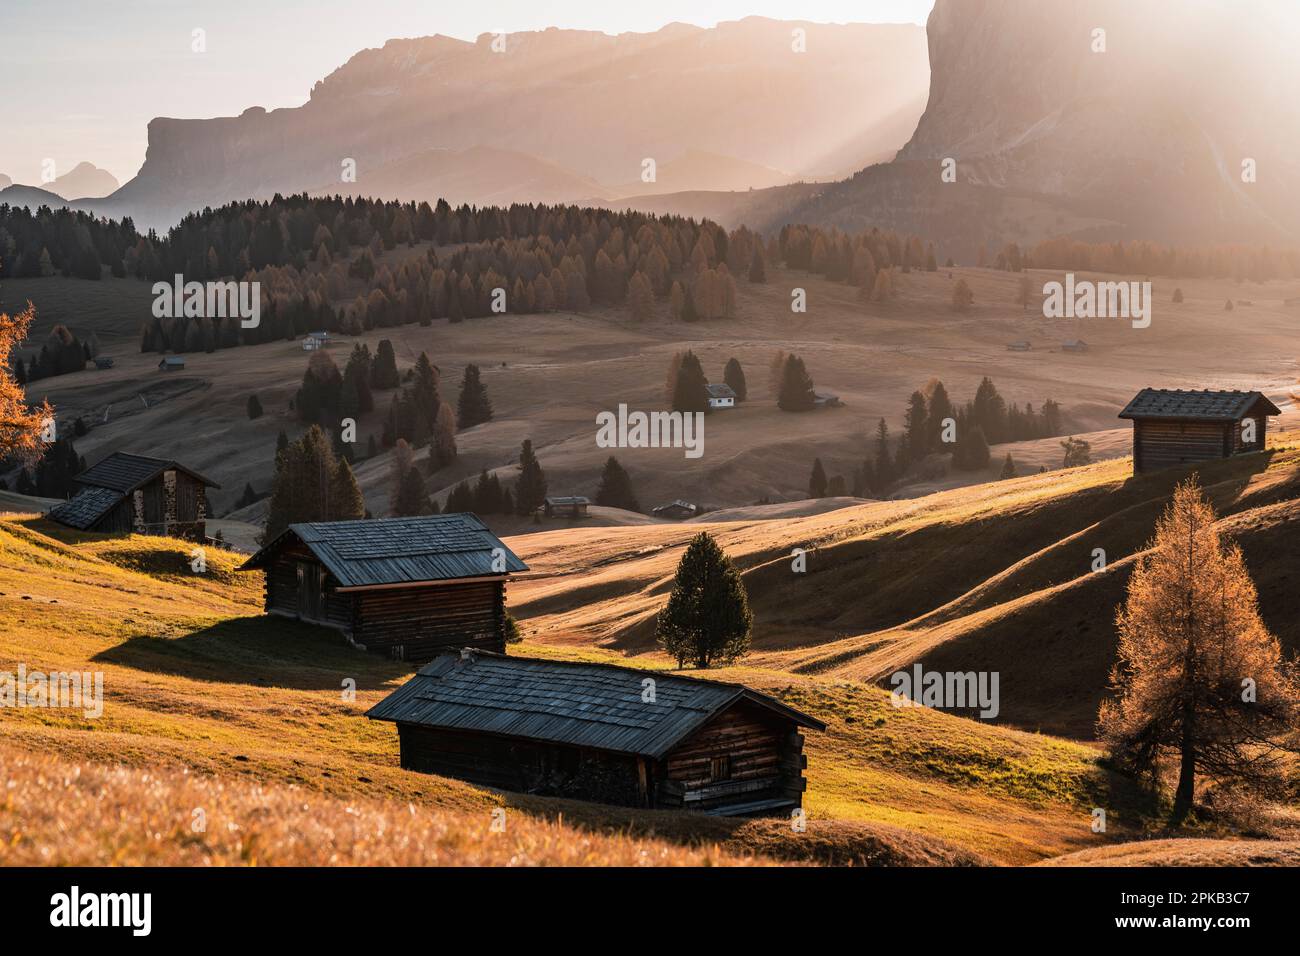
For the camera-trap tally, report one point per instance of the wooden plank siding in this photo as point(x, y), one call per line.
point(1170, 443)
point(523, 766)
point(402, 623)
point(741, 755)
point(415, 623)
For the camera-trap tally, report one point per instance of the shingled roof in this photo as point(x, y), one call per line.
point(367, 553)
point(1208, 406)
point(584, 705)
point(125, 473)
point(86, 507)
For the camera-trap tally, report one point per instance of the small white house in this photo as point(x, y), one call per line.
point(721, 396)
point(310, 344)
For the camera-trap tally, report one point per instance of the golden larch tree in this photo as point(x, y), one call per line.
point(1199, 678)
point(22, 428)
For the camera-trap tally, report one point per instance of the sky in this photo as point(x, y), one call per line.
point(84, 77)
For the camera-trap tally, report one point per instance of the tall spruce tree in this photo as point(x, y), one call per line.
point(734, 376)
point(304, 485)
point(797, 394)
point(473, 407)
point(530, 489)
point(615, 489)
point(707, 619)
point(689, 392)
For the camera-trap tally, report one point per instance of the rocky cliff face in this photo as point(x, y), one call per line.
point(590, 104)
point(1052, 135)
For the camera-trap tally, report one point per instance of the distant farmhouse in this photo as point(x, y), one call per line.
point(826, 400)
point(1175, 427)
point(172, 363)
point(676, 510)
point(600, 732)
point(1074, 345)
point(406, 588)
point(566, 506)
point(721, 396)
point(125, 494)
point(1019, 346)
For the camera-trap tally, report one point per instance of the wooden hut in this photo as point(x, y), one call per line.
point(676, 510)
point(405, 588)
point(1176, 427)
point(600, 732)
point(566, 506)
point(124, 494)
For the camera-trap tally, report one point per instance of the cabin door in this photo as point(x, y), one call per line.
point(309, 591)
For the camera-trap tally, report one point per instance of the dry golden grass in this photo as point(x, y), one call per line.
point(55, 812)
point(1189, 852)
point(197, 679)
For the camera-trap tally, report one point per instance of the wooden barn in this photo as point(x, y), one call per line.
point(1176, 427)
point(125, 494)
point(566, 506)
point(600, 732)
point(406, 588)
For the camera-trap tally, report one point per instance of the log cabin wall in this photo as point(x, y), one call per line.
point(415, 623)
point(1167, 444)
point(524, 766)
point(1260, 416)
point(282, 590)
point(743, 754)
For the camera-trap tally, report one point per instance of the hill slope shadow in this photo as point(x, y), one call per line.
point(261, 651)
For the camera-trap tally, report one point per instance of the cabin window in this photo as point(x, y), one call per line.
point(720, 768)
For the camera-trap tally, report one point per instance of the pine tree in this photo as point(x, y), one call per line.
point(707, 619)
point(302, 490)
point(383, 371)
point(530, 489)
point(473, 407)
point(796, 393)
point(757, 267)
point(460, 500)
point(817, 481)
point(615, 489)
point(972, 451)
point(346, 500)
point(916, 428)
point(1198, 676)
point(254, 407)
point(734, 376)
point(939, 410)
point(412, 497)
point(962, 297)
point(689, 392)
point(1077, 452)
point(1008, 468)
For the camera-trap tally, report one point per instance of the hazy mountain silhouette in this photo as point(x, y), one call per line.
point(557, 107)
point(1143, 140)
point(84, 181)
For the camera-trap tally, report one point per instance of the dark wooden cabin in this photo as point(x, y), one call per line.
point(1176, 427)
point(405, 588)
point(566, 506)
point(125, 494)
point(600, 732)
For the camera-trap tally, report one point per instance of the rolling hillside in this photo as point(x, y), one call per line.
point(195, 679)
point(994, 577)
